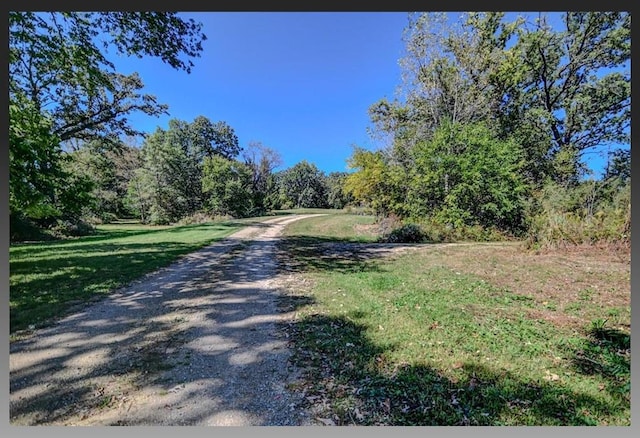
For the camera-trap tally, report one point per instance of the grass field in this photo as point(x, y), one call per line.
point(341, 226)
point(471, 334)
point(48, 278)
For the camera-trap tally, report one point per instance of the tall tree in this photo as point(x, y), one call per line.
point(303, 186)
point(62, 87)
point(465, 175)
point(561, 91)
point(578, 82)
point(209, 139)
point(110, 169)
point(227, 185)
point(337, 197)
point(262, 160)
point(163, 164)
point(377, 182)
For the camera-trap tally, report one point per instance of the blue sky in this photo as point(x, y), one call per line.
point(298, 82)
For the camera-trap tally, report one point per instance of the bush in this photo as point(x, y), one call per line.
point(200, 218)
point(581, 216)
point(408, 233)
point(68, 228)
point(23, 229)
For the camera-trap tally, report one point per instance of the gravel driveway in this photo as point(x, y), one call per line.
point(196, 343)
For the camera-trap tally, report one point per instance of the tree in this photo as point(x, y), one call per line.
point(34, 163)
point(303, 186)
point(376, 182)
point(110, 169)
point(173, 160)
point(62, 87)
point(227, 185)
point(164, 177)
point(337, 197)
point(262, 160)
point(139, 196)
point(575, 84)
point(619, 165)
point(467, 176)
point(210, 139)
point(560, 92)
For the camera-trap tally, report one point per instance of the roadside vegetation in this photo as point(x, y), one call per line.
point(462, 334)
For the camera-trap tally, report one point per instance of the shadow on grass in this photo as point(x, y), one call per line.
point(78, 243)
point(606, 353)
point(328, 254)
point(352, 377)
point(351, 381)
point(52, 286)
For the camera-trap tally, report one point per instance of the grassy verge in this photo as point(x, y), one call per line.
point(48, 278)
point(341, 226)
point(477, 334)
point(306, 211)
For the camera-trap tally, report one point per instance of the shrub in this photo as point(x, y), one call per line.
point(23, 229)
point(578, 216)
point(67, 228)
point(407, 233)
point(200, 218)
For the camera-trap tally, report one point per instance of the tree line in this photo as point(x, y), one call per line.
point(488, 138)
point(192, 168)
point(495, 120)
point(72, 158)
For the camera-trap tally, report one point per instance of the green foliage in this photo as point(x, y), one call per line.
point(205, 139)
point(111, 167)
point(62, 87)
point(549, 95)
point(376, 182)
point(76, 228)
point(262, 160)
point(227, 185)
point(34, 162)
point(302, 186)
point(592, 212)
point(568, 80)
point(163, 178)
point(21, 228)
point(559, 93)
point(466, 176)
point(170, 184)
point(619, 165)
point(337, 197)
point(407, 233)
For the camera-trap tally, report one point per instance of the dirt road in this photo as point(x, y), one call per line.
point(197, 343)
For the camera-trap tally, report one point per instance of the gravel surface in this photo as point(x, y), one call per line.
point(196, 343)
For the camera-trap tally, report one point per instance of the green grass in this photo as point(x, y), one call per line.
point(340, 226)
point(306, 211)
point(48, 278)
point(416, 340)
